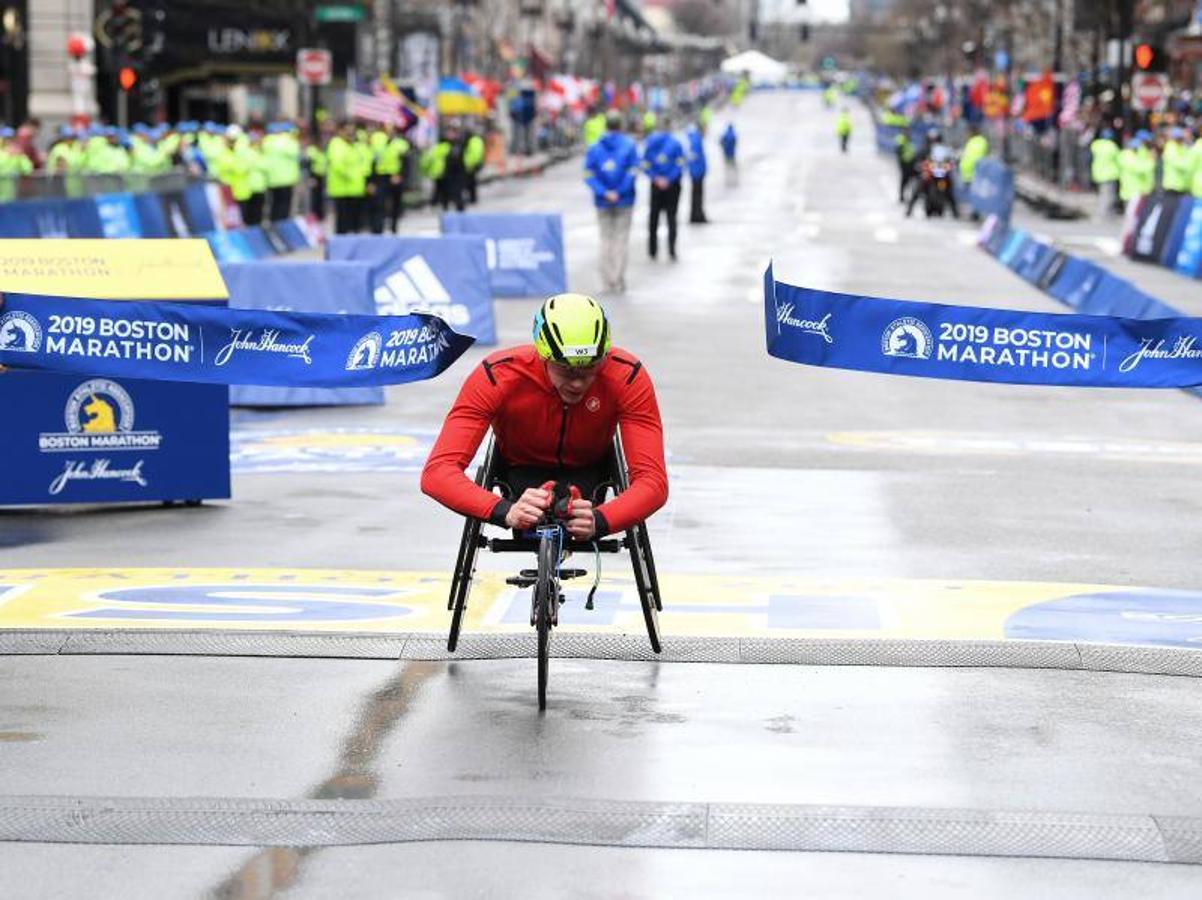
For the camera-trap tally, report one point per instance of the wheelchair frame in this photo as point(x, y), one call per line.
point(635, 540)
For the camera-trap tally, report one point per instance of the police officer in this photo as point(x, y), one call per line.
point(1104, 170)
point(346, 179)
point(663, 161)
point(907, 158)
point(843, 129)
point(281, 156)
point(315, 160)
point(1176, 162)
point(387, 200)
point(473, 162)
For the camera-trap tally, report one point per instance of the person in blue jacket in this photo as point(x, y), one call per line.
point(663, 161)
point(729, 141)
point(612, 165)
point(697, 169)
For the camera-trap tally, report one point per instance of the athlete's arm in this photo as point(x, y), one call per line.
point(643, 441)
point(443, 476)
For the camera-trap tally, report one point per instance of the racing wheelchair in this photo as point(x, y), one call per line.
point(552, 545)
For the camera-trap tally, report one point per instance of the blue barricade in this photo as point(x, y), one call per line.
point(318, 286)
point(447, 276)
point(1033, 261)
point(1176, 233)
point(197, 209)
point(1015, 240)
point(229, 246)
point(525, 250)
point(1189, 256)
point(118, 216)
point(259, 245)
point(992, 189)
point(80, 439)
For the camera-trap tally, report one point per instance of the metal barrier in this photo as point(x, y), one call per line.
point(52, 185)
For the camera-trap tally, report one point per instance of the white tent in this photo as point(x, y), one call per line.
point(761, 68)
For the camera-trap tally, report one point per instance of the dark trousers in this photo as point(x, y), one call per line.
point(697, 200)
point(280, 200)
point(453, 192)
point(317, 198)
point(348, 214)
point(252, 209)
point(843, 139)
point(663, 200)
point(386, 202)
point(472, 187)
point(907, 175)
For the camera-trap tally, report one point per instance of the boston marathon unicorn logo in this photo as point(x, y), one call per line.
point(20, 332)
point(907, 337)
point(365, 354)
point(99, 406)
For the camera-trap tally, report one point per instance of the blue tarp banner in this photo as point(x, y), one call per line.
point(83, 218)
point(1189, 256)
point(1176, 232)
point(229, 246)
point(1075, 281)
point(319, 286)
point(930, 340)
point(291, 234)
point(525, 251)
point(118, 216)
point(196, 343)
point(446, 276)
point(197, 210)
point(150, 216)
point(992, 190)
point(259, 245)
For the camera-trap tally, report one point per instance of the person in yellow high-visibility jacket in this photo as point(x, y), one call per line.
point(346, 179)
point(843, 129)
point(473, 162)
point(1176, 163)
point(388, 176)
point(1104, 170)
point(1137, 169)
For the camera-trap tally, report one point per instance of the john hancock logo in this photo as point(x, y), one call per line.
point(907, 337)
point(819, 327)
point(267, 342)
point(20, 332)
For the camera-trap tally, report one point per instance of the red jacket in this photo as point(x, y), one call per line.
point(511, 393)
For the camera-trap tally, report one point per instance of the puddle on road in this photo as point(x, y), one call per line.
point(356, 777)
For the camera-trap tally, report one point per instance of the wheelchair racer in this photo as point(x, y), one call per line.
point(554, 407)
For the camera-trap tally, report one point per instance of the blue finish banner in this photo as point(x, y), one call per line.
point(229, 246)
point(525, 251)
point(992, 189)
point(869, 334)
point(197, 211)
point(341, 288)
point(196, 343)
point(445, 276)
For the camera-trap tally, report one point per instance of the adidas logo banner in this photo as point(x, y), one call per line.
point(444, 276)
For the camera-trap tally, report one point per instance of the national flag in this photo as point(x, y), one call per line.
point(1041, 98)
point(1070, 104)
point(378, 105)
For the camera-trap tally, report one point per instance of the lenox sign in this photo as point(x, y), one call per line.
point(243, 40)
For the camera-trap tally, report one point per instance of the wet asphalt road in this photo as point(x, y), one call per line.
point(777, 469)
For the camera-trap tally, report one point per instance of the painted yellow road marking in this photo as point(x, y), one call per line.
point(401, 601)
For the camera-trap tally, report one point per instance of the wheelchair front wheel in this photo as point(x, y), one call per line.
point(545, 594)
point(461, 583)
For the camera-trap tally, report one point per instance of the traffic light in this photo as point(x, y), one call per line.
point(805, 32)
point(127, 78)
point(1150, 58)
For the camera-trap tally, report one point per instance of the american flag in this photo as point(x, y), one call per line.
point(1070, 103)
point(378, 105)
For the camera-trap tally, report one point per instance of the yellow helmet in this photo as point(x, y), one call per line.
point(571, 329)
